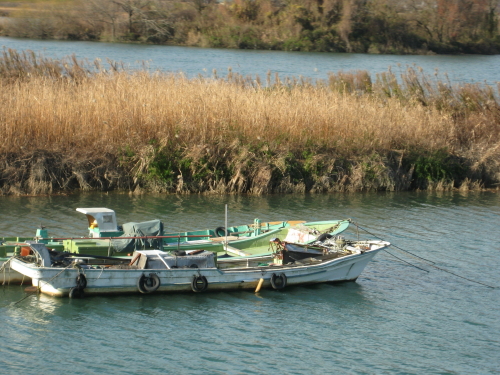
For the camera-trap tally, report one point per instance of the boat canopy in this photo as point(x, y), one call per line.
point(139, 230)
point(100, 217)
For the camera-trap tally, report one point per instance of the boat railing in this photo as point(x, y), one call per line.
point(161, 245)
point(117, 238)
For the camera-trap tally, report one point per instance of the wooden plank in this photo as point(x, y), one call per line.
point(233, 250)
point(222, 239)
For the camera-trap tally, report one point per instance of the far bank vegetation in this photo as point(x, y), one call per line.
point(364, 26)
point(68, 125)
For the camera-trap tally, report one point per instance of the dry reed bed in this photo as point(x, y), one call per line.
point(250, 130)
point(113, 112)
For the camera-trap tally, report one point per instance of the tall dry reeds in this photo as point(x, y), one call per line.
point(236, 131)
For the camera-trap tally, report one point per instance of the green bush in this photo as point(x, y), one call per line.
point(436, 166)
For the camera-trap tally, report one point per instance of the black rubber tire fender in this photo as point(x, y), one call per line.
point(152, 283)
point(76, 292)
point(221, 232)
point(148, 284)
point(278, 284)
point(199, 283)
point(81, 281)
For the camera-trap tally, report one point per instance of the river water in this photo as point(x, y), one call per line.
point(202, 61)
point(395, 319)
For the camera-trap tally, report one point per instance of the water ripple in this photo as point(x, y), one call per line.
point(394, 319)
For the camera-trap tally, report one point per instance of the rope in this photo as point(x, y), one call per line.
point(430, 263)
point(5, 263)
point(405, 251)
point(22, 299)
point(462, 277)
point(405, 261)
point(53, 277)
point(3, 268)
point(38, 287)
point(64, 269)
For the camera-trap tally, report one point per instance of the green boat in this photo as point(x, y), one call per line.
point(106, 237)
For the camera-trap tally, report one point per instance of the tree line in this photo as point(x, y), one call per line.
point(362, 26)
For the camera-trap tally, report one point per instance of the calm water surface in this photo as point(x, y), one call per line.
point(395, 319)
point(202, 61)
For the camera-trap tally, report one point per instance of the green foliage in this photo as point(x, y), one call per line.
point(207, 168)
point(299, 168)
point(304, 18)
point(246, 38)
point(311, 166)
point(246, 11)
point(166, 164)
point(293, 168)
point(370, 171)
point(126, 154)
point(436, 166)
point(216, 41)
point(298, 44)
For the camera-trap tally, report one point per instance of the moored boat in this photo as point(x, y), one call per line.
point(106, 237)
point(156, 271)
point(248, 243)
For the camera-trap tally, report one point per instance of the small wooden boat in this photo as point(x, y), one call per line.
point(155, 271)
point(106, 237)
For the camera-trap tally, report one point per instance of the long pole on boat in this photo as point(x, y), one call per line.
point(225, 228)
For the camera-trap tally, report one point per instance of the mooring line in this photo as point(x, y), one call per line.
point(406, 251)
point(22, 299)
point(431, 263)
point(29, 295)
point(402, 260)
point(4, 269)
point(462, 277)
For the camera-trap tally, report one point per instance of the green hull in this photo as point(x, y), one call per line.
point(244, 238)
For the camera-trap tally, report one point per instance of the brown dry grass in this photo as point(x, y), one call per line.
point(132, 109)
point(78, 110)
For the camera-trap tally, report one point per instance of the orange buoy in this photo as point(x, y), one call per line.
point(25, 251)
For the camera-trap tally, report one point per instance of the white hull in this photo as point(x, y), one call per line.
point(9, 276)
point(59, 281)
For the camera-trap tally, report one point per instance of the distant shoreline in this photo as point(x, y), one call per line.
point(382, 27)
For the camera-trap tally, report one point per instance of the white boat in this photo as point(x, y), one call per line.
point(156, 271)
point(9, 276)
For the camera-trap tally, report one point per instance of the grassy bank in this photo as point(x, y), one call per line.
point(67, 125)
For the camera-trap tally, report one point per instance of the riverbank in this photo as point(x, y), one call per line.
point(375, 27)
point(69, 126)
